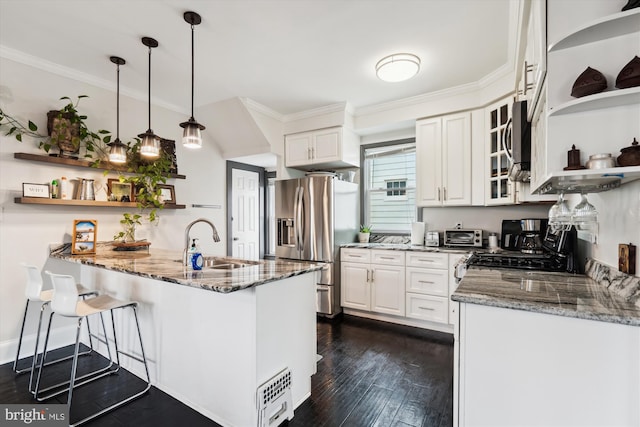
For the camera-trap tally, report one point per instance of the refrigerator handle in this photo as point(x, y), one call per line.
point(298, 213)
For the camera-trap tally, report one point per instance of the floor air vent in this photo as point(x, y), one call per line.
point(274, 400)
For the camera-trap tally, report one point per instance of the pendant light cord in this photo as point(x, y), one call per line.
point(192, 73)
point(149, 88)
point(118, 104)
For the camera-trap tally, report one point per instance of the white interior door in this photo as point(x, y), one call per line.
point(245, 214)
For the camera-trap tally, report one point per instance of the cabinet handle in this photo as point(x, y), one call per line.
point(426, 308)
point(313, 152)
point(387, 257)
point(425, 260)
point(367, 276)
point(444, 190)
point(438, 193)
point(527, 69)
point(372, 271)
point(425, 281)
point(309, 153)
point(354, 256)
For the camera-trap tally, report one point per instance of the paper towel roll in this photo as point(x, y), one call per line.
point(417, 233)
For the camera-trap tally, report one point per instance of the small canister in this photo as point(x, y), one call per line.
point(573, 159)
point(493, 241)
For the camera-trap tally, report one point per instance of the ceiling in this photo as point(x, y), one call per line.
point(288, 55)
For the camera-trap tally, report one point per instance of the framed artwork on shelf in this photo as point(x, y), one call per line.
point(120, 191)
point(167, 193)
point(85, 232)
point(35, 190)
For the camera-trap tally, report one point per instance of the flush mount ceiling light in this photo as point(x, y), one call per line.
point(191, 137)
point(150, 146)
point(117, 150)
point(397, 67)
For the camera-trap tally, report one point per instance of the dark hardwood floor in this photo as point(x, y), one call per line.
point(371, 374)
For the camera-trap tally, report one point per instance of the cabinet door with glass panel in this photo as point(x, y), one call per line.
point(500, 190)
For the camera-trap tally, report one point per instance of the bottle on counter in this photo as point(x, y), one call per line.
point(65, 189)
point(194, 257)
point(54, 189)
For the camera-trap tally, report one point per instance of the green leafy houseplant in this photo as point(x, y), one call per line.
point(67, 130)
point(365, 228)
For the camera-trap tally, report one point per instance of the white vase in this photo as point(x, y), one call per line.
point(363, 237)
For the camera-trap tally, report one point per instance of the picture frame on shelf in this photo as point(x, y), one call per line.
point(35, 190)
point(85, 232)
point(120, 191)
point(167, 193)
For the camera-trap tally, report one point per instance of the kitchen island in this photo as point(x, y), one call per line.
point(213, 336)
point(547, 349)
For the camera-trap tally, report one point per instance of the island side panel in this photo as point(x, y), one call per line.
point(201, 344)
point(286, 325)
point(518, 366)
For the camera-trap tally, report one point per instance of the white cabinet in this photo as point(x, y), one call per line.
point(427, 284)
point(605, 39)
point(443, 160)
point(373, 280)
point(534, 67)
point(514, 367)
point(500, 190)
point(331, 147)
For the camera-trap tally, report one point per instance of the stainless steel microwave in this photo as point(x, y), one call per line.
point(461, 237)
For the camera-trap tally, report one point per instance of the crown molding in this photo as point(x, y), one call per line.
point(263, 109)
point(60, 70)
point(339, 107)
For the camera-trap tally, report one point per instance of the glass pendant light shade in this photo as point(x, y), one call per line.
point(150, 145)
point(192, 137)
point(117, 150)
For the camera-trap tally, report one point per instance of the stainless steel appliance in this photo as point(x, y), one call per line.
point(460, 237)
point(315, 215)
point(432, 238)
point(516, 141)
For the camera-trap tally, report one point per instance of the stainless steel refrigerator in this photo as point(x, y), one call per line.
point(315, 215)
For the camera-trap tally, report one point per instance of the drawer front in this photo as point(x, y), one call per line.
point(387, 257)
point(427, 281)
point(428, 260)
point(355, 255)
point(425, 307)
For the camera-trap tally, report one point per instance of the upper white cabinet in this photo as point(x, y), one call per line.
point(605, 39)
point(331, 147)
point(499, 190)
point(443, 160)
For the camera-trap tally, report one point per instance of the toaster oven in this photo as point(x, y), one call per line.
point(461, 237)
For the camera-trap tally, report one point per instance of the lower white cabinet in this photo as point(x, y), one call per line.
point(373, 280)
point(427, 286)
point(412, 286)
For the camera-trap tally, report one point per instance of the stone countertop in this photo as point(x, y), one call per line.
point(167, 266)
point(408, 247)
point(561, 294)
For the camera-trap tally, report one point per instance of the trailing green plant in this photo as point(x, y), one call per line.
point(95, 143)
point(129, 223)
point(365, 228)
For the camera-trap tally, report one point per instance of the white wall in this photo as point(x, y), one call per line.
point(27, 230)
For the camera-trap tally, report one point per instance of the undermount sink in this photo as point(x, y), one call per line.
point(222, 263)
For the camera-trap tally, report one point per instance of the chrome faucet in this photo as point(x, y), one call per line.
point(216, 238)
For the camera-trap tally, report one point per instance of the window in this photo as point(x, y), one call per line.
point(389, 185)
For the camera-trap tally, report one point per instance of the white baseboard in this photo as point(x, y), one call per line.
point(424, 324)
point(59, 337)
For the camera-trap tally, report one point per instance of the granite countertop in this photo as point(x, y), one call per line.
point(409, 247)
point(167, 266)
point(562, 294)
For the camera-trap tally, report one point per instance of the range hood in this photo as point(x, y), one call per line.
point(587, 180)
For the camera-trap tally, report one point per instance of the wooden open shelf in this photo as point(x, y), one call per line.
point(86, 203)
point(78, 163)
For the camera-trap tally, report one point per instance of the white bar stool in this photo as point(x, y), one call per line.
point(65, 302)
point(34, 292)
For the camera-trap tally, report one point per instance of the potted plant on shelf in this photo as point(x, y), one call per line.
point(365, 232)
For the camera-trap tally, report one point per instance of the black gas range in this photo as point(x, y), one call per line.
point(557, 254)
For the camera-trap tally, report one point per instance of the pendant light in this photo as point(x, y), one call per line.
point(117, 150)
point(191, 137)
point(150, 146)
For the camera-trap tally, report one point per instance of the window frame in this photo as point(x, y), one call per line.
point(363, 178)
